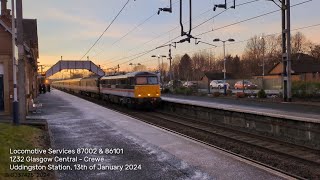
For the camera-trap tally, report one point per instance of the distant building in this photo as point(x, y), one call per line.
point(304, 68)
point(6, 56)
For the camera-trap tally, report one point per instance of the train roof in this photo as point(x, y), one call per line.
point(69, 80)
point(131, 74)
point(90, 78)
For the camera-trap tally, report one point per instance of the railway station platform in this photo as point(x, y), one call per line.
point(292, 111)
point(76, 123)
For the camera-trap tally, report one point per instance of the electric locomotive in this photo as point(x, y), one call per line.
point(131, 89)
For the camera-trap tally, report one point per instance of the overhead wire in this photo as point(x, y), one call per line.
point(242, 41)
point(161, 35)
point(265, 14)
point(232, 24)
point(106, 29)
point(245, 3)
point(125, 35)
point(249, 19)
point(238, 42)
point(129, 32)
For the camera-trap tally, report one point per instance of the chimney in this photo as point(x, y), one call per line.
point(4, 10)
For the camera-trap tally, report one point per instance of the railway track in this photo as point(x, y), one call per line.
point(297, 161)
point(272, 144)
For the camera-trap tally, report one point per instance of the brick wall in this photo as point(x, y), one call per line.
point(6, 42)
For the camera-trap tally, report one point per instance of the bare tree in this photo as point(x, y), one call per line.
point(252, 57)
point(200, 64)
point(185, 67)
point(175, 66)
point(315, 51)
point(300, 44)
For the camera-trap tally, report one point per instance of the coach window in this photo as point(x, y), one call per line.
point(109, 83)
point(131, 82)
point(104, 83)
point(114, 83)
point(122, 83)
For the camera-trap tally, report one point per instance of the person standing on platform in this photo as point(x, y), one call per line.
point(48, 87)
point(40, 89)
point(43, 88)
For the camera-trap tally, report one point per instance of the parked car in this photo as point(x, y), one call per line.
point(245, 84)
point(218, 84)
point(173, 84)
point(190, 84)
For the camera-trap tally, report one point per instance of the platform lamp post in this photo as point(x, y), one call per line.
point(263, 63)
point(224, 61)
point(162, 72)
point(158, 61)
point(21, 63)
point(14, 66)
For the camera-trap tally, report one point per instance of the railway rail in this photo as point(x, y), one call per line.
point(297, 161)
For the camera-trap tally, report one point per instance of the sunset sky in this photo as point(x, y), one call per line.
point(69, 28)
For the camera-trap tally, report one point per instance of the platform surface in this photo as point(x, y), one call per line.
point(306, 113)
point(76, 123)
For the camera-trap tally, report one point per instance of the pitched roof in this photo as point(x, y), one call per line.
point(30, 32)
point(303, 63)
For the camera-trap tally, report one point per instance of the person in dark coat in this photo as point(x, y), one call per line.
point(48, 87)
point(43, 88)
point(40, 89)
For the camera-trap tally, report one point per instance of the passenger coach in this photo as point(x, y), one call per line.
point(71, 85)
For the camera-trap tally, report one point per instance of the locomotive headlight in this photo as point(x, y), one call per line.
point(139, 95)
point(149, 94)
point(157, 94)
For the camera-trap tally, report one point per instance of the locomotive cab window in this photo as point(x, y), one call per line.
point(141, 80)
point(146, 80)
point(152, 80)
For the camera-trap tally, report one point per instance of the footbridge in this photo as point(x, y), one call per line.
point(73, 64)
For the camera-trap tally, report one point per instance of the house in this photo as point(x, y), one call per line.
point(6, 59)
point(304, 68)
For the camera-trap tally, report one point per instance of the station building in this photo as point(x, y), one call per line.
point(6, 59)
